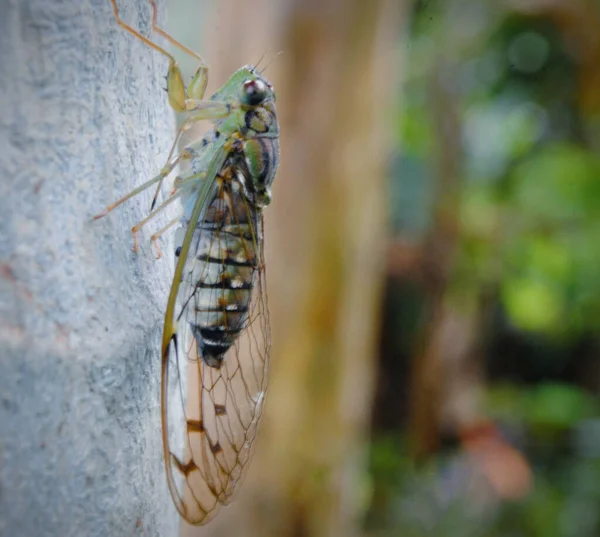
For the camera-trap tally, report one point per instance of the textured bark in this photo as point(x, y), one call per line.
point(83, 120)
point(325, 241)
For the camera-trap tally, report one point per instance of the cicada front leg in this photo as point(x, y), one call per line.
point(176, 90)
point(181, 98)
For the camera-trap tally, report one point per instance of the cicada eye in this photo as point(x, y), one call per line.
point(253, 92)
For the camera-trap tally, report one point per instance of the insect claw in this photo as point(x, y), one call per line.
point(136, 245)
point(158, 251)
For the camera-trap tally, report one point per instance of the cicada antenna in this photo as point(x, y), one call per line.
point(272, 60)
point(260, 61)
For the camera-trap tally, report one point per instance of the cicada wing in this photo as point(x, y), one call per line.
point(221, 403)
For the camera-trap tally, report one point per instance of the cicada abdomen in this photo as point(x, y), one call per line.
point(222, 347)
point(221, 275)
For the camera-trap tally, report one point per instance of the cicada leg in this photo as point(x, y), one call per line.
point(184, 155)
point(158, 179)
point(179, 180)
point(176, 89)
point(197, 87)
point(186, 124)
point(135, 229)
point(181, 99)
point(158, 234)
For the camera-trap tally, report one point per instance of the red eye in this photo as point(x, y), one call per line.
point(253, 92)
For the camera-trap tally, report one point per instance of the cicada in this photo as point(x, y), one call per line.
point(216, 338)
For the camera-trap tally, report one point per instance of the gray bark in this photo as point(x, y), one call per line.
point(83, 120)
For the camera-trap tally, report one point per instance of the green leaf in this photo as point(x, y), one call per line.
point(533, 305)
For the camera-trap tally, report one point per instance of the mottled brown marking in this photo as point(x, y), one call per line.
point(220, 410)
point(195, 426)
point(185, 468)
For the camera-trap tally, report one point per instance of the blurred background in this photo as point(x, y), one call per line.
point(432, 246)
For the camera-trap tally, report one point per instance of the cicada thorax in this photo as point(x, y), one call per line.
point(260, 132)
point(226, 255)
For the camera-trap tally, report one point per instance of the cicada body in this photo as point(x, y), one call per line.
point(218, 332)
point(216, 338)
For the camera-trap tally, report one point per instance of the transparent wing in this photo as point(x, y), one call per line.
point(220, 405)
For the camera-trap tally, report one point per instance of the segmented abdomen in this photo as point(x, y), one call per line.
point(222, 262)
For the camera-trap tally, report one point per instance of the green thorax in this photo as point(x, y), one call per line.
point(256, 125)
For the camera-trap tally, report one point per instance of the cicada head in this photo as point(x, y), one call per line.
point(255, 121)
point(247, 87)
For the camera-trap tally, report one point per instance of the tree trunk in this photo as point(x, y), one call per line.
point(325, 241)
point(84, 120)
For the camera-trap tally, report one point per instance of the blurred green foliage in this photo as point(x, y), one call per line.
point(528, 235)
point(548, 408)
point(529, 213)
